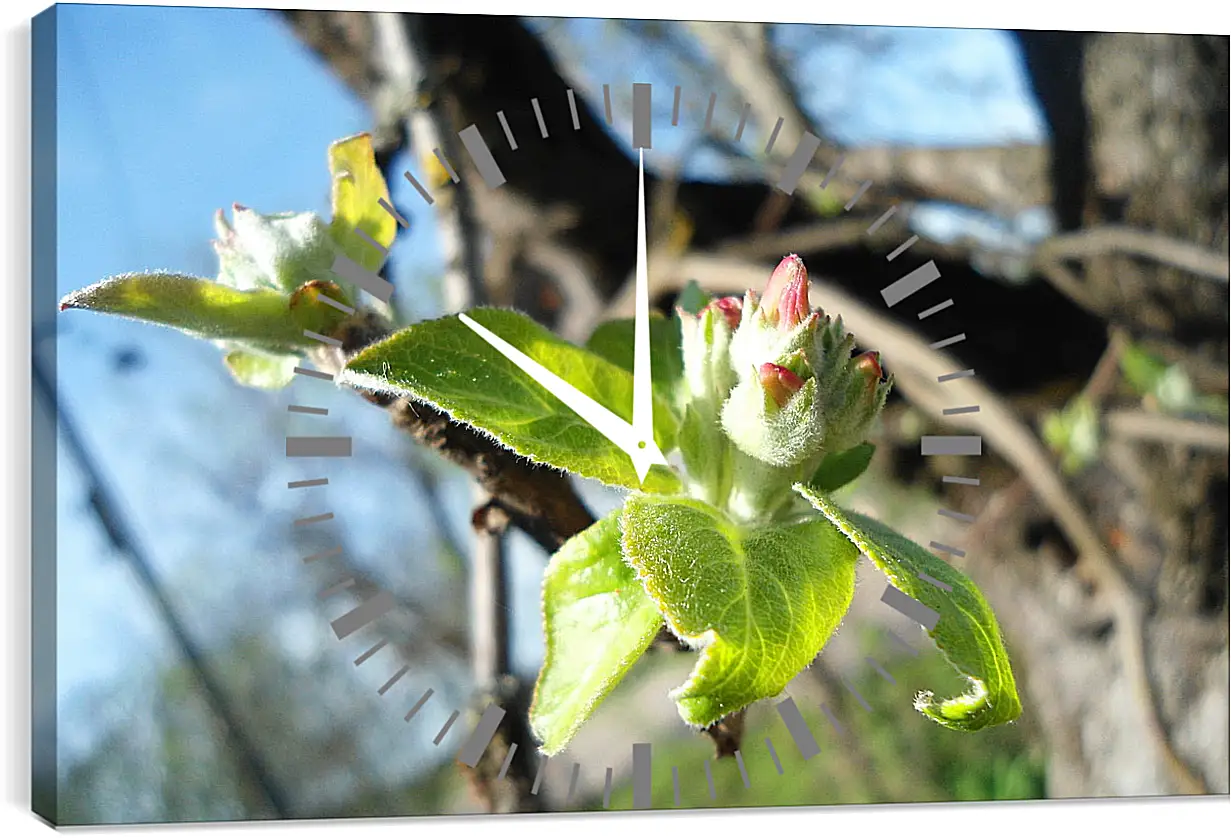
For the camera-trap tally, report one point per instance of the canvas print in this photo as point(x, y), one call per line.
point(458, 414)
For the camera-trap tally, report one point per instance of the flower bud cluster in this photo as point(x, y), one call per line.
point(780, 379)
point(279, 252)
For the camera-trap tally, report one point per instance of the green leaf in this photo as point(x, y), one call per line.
point(842, 467)
point(358, 186)
point(443, 362)
point(613, 340)
point(1074, 434)
point(966, 633)
point(260, 318)
point(598, 621)
point(692, 299)
point(760, 603)
point(1142, 369)
point(265, 372)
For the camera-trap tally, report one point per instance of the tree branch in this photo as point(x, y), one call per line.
point(1100, 241)
point(1158, 427)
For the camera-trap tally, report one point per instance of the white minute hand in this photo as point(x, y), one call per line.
point(644, 453)
point(643, 386)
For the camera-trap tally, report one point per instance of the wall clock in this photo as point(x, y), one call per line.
point(723, 397)
point(468, 736)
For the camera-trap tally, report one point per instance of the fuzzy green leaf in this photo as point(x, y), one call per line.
point(358, 186)
point(265, 372)
point(260, 318)
point(443, 362)
point(598, 621)
point(842, 467)
point(966, 633)
point(760, 603)
point(613, 340)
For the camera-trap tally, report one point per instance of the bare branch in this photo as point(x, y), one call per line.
point(1158, 427)
point(1000, 179)
point(1100, 241)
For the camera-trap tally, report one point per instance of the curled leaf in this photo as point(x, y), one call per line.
point(264, 372)
point(967, 633)
point(842, 467)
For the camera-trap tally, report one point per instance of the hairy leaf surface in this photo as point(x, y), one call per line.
point(759, 603)
point(967, 632)
point(598, 621)
point(444, 363)
point(261, 318)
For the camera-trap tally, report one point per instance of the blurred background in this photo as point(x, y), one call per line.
point(1071, 187)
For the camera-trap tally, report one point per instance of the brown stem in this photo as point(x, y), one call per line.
point(727, 734)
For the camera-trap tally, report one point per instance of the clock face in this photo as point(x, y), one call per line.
point(472, 737)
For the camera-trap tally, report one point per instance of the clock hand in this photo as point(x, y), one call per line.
point(643, 452)
point(643, 390)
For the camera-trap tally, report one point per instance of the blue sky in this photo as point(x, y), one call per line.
point(167, 114)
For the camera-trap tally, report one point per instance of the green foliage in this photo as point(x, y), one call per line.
point(271, 275)
point(842, 467)
point(890, 755)
point(692, 299)
point(613, 340)
point(264, 372)
point(967, 632)
point(598, 621)
point(1166, 386)
point(358, 188)
point(1074, 434)
point(760, 603)
point(443, 362)
point(763, 396)
point(258, 318)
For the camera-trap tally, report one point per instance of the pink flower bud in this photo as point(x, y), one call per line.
point(779, 382)
point(786, 294)
point(731, 308)
point(794, 308)
point(869, 364)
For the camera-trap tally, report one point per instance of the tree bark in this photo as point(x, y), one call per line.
point(1148, 148)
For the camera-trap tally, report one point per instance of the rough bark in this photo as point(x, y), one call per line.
point(1152, 145)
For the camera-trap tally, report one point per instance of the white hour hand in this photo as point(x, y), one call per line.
point(643, 452)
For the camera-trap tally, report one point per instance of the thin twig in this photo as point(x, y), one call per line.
point(1158, 427)
point(727, 734)
point(1100, 241)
